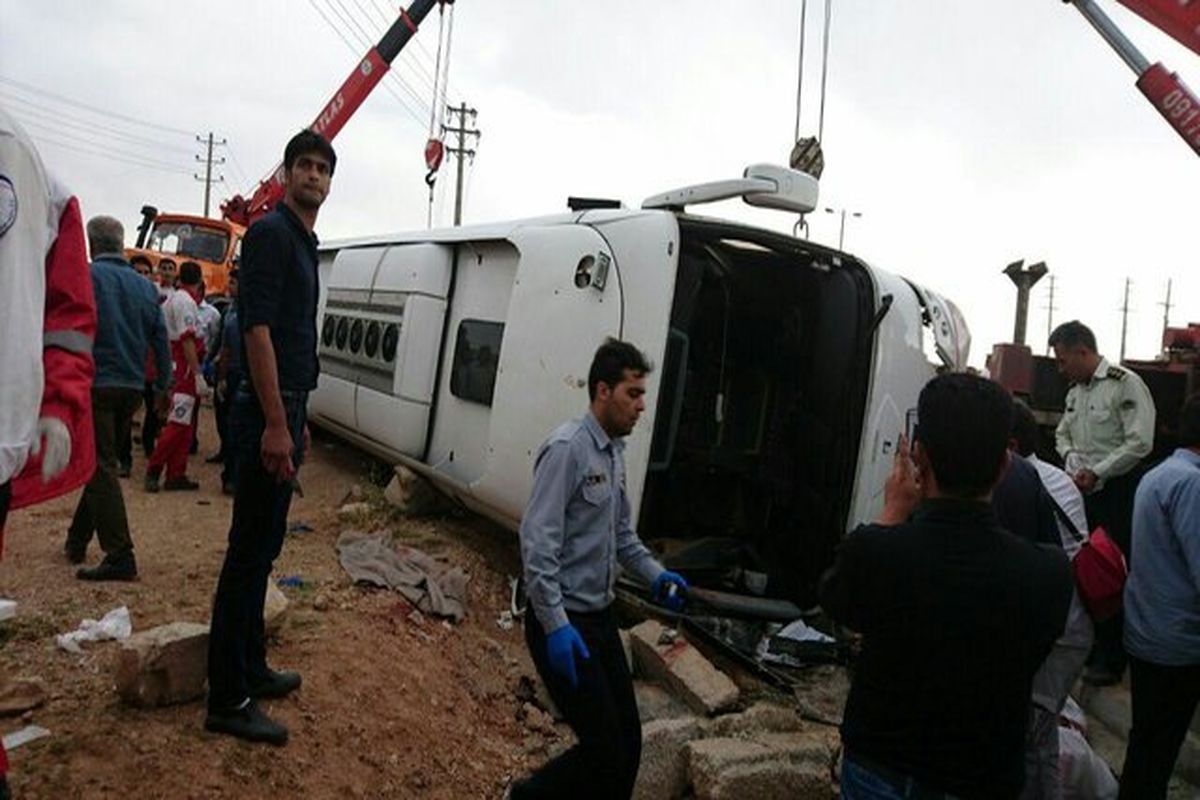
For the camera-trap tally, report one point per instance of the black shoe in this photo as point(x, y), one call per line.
point(151, 483)
point(75, 555)
point(124, 470)
point(247, 723)
point(181, 484)
point(215, 459)
point(123, 570)
point(4, 793)
point(274, 685)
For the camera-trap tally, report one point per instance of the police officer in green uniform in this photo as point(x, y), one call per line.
point(1106, 430)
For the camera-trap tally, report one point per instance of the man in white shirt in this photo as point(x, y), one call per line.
point(1058, 673)
point(187, 348)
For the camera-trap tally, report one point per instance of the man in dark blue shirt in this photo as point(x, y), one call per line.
point(277, 313)
point(129, 322)
point(956, 613)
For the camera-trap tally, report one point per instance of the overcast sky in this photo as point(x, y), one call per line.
point(968, 134)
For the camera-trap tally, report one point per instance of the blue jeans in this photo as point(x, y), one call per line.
point(861, 783)
point(237, 652)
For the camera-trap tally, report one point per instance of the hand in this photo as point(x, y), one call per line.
point(669, 589)
point(203, 388)
point(222, 390)
point(276, 453)
point(903, 490)
point(58, 446)
point(562, 648)
point(162, 404)
point(1085, 479)
point(307, 438)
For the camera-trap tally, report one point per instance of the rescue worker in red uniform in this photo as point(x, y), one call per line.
point(45, 407)
point(187, 349)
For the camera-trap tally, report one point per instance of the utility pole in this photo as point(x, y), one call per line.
point(1166, 304)
point(1124, 318)
point(1050, 309)
point(209, 161)
point(462, 151)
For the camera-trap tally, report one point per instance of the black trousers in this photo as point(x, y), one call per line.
point(151, 424)
point(602, 712)
point(237, 650)
point(221, 411)
point(101, 508)
point(1112, 507)
point(1164, 700)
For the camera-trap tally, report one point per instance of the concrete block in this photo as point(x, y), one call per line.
point(411, 494)
point(758, 719)
point(654, 703)
point(682, 668)
point(275, 606)
point(663, 774)
point(163, 665)
point(775, 767)
point(627, 646)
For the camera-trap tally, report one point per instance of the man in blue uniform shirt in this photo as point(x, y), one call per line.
point(1162, 613)
point(576, 530)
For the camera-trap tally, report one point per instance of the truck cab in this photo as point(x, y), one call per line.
point(785, 371)
point(214, 244)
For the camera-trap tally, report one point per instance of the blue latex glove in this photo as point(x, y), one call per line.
point(661, 590)
point(562, 647)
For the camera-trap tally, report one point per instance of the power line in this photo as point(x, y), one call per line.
point(94, 109)
point(416, 118)
point(414, 56)
point(59, 118)
point(41, 139)
point(378, 31)
point(365, 41)
point(75, 137)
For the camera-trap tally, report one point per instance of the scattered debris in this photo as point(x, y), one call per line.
point(355, 509)
point(19, 695)
point(682, 668)
point(432, 586)
point(300, 527)
point(163, 665)
point(411, 494)
point(275, 606)
point(30, 733)
point(114, 625)
point(797, 645)
point(505, 621)
point(8, 609)
point(537, 720)
point(290, 582)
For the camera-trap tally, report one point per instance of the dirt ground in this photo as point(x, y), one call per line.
point(392, 705)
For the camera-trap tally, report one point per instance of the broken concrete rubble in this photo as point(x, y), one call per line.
point(793, 765)
point(663, 774)
point(19, 695)
point(163, 665)
point(758, 719)
point(275, 606)
point(674, 662)
point(411, 494)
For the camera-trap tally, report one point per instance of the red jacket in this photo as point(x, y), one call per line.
point(70, 326)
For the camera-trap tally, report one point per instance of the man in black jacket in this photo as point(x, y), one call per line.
point(956, 613)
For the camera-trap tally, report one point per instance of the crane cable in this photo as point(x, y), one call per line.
point(800, 75)
point(435, 149)
point(824, 71)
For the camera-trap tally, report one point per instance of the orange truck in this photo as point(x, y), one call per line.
point(214, 244)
